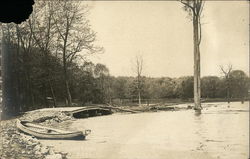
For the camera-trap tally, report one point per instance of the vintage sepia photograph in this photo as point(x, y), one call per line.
point(127, 79)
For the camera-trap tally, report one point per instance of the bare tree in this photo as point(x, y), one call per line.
point(194, 9)
point(138, 68)
point(75, 36)
point(27, 44)
point(226, 72)
point(43, 30)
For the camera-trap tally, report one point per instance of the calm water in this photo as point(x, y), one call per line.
point(219, 132)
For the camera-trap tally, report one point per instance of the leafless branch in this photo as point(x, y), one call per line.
point(33, 34)
point(188, 5)
point(226, 71)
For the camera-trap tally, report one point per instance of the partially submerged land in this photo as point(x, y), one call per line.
point(15, 144)
point(18, 145)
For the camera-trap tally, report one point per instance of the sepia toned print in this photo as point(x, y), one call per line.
point(126, 80)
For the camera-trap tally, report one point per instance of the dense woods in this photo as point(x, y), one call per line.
point(45, 65)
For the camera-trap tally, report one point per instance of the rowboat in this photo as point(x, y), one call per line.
point(43, 132)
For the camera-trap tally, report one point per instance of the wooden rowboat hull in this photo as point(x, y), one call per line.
point(43, 132)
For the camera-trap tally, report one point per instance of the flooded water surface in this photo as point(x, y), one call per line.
point(219, 132)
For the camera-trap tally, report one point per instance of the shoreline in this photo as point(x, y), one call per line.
point(125, 135)
point(16, 144)
point(24, 146)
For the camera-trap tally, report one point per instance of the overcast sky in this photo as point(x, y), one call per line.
point(162, 34)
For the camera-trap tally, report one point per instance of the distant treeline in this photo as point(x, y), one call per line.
point(26, 86)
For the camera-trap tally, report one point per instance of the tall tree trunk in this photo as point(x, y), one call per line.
point(17, 88)
point(139, 87)
point(19, 91)
point(139, 98)
point(68, 94)
point(228, 90)
point(53, 94)
point(69, 99)
point(17, 70)
point(48, 75)
point(30, 86)
point(30, 94)
point(197, 91)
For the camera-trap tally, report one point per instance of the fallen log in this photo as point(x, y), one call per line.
point(121, 109)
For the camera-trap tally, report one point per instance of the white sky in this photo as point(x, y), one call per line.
point(162, 34)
